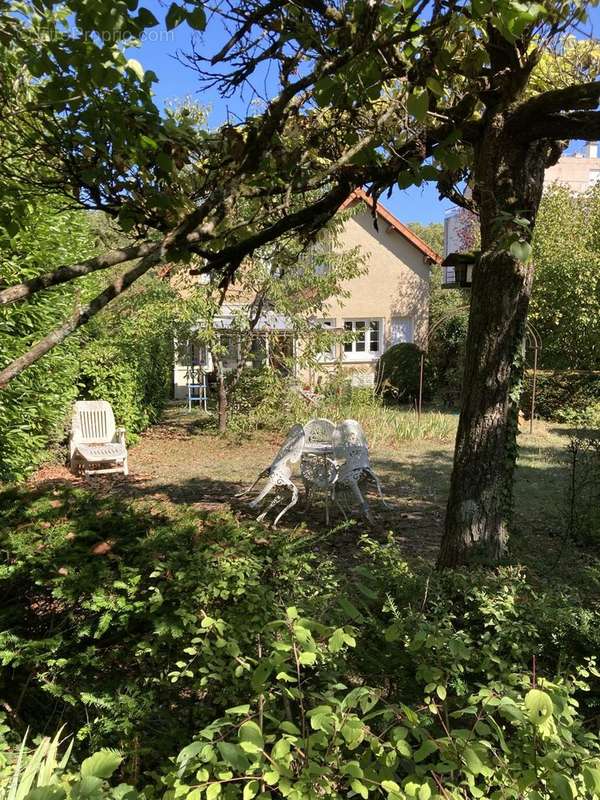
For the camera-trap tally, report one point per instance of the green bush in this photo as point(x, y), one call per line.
point(447, 356)
point(563, 396)
point(146, 627)
point(398, 372)
point(264, 400)
point(35, 407)
point(133, 375)
point(145, 620)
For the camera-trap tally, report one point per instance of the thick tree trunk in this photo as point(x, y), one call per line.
point(508, 186)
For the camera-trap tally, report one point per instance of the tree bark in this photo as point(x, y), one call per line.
point(222, 399)
point(508, 185)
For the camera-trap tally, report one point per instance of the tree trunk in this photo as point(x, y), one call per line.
point(508, 186)
point(222, 399)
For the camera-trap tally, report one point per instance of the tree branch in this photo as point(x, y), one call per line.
point(584, 125)
point(528, 121)
point(80, 318)
point(64, 274)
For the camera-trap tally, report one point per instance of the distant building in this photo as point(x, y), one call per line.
point(388, 303)
point(577, 171)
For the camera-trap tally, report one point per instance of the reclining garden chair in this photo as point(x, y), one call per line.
point(97, 446)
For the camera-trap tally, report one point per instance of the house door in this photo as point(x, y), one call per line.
point(402, 330)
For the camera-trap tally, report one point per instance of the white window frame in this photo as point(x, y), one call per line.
point(367, 354)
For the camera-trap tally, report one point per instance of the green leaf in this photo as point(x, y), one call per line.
point(539, 706)
point(472, 760)
point(175, 16)
point(359, 787)
point(46, 793)
point(241, 710)
point(562, 786)
point(591, 777)
point(434, 86)
point(251, 736)
point(426, 749)
point(146, 18)
point(260, 675)
point(88, 788)
point(196, 19)
point(102, 764)
point(418, 104)
point(233, 755)
point(521, 250)
point(250, 790)
point(136, 67)
point(350, 609)
point(214, 790)
point(336, 642)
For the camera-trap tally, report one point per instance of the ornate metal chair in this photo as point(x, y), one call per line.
point(317, 468)
point(351, 454)
point(279, 475)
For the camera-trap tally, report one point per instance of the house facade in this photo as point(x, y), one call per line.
point(386, 304)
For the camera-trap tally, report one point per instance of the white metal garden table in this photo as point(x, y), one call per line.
point(318, 470)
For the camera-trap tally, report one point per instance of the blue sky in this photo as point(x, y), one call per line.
point(176, 82)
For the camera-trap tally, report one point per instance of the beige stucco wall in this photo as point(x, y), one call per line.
point(573, 171)
point(395, 284)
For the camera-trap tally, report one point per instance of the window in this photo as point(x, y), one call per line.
point(366, 340)
point(328, 352)
point(401, 330)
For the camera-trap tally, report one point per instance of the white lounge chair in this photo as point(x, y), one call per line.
point(95, 441)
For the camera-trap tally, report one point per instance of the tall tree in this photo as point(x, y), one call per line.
point(377, 93)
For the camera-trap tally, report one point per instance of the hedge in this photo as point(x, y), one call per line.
point(398, 372)
point(562, 395)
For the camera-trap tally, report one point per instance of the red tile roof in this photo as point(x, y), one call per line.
point(403, 230)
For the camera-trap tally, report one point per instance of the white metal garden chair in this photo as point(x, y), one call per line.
point(97, 446)
point(279, 475)
point(317, 468)
point(351, 454)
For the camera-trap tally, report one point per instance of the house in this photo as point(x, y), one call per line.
point(386, 304)
point(389, 302)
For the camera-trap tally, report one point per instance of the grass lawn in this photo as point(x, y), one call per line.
point(182, 462)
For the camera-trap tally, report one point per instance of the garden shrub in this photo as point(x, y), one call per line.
point(398, 372)
point(264, 400)
point(565, 396)
point(447, 356)
point(35, 406)
point(128, 622)
point(133, 375)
